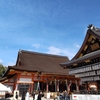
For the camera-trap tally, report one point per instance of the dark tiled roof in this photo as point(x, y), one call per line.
point(46, 63)
point(88, 56)
point(96, 31)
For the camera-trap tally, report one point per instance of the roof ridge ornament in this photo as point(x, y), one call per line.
point(92, 27)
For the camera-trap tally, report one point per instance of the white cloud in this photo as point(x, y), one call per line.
point(36, 45)
point(61, 51)
point(54, 50)
point(77, 46)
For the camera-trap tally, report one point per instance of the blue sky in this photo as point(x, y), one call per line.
point(46, 26)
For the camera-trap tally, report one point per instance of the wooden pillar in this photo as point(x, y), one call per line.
point(61, 85)
point(77, 86)
point(17, 81)
point(66, 84)
point(31, 87)
point(69, 86)
point(47, 87)
point(62, 88)
point(58, 85)
point(33, 82)
point(55, 86)
point(16, 86)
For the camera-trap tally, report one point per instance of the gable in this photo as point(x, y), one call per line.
point(91, 43)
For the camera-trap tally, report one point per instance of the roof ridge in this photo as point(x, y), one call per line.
point(39, 53)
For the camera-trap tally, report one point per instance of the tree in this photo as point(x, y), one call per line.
point(2, 70)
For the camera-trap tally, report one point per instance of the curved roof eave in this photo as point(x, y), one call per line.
point(89, 32)
point(82, 59)
point(6, 77)
point(19, 69)
point(80, 50)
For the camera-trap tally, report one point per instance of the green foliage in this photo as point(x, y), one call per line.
point(2, 70)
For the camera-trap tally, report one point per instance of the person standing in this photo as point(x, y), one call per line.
point(48, 95)
point(27, 96)
point(39, 96)
point(66, 95)
point(23, 96)
point(58, 95)
point(36, 95)
point(33, 94)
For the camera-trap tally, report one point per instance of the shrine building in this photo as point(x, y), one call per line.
point(39, 71)
point(86, 63)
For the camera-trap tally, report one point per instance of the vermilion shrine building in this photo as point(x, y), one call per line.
point(39, 71)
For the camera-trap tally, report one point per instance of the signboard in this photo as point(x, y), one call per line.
point(25, 80)
point(16, 92)
point(84, 97)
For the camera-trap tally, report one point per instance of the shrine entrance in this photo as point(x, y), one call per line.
point(23, 88)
